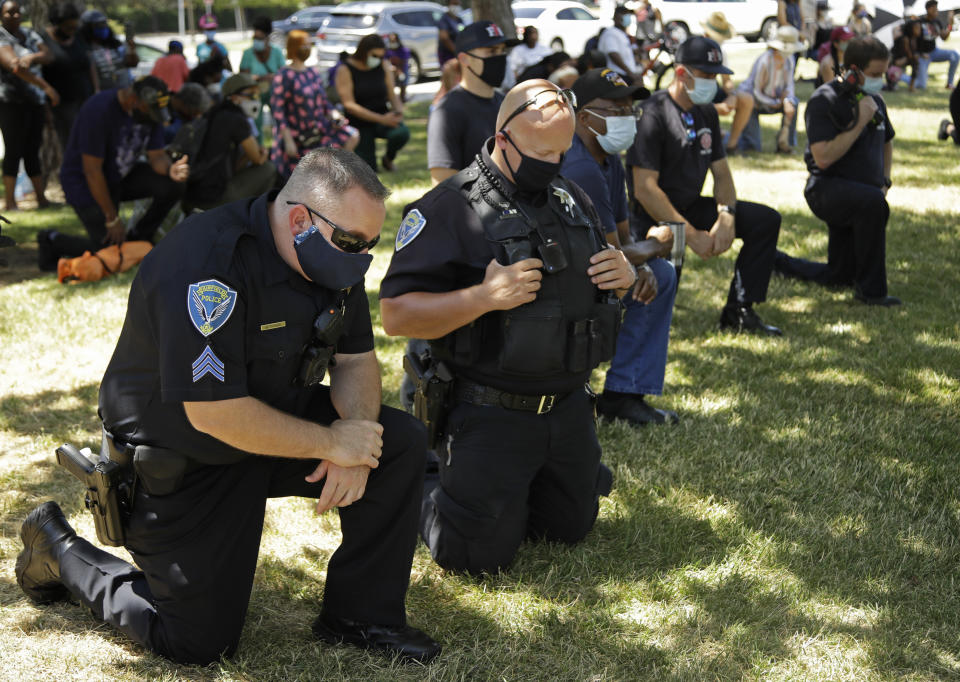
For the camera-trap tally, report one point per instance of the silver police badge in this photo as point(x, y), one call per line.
point(210, 304)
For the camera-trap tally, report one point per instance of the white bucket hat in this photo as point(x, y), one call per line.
point(788, 40)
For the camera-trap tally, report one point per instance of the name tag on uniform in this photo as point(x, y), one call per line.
point(273, 325)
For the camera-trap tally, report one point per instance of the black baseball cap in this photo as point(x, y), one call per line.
point(700, 52)
point(482, 34)
point(606, 84)
point(155, 93)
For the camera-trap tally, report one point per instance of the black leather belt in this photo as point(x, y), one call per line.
point(478, 394)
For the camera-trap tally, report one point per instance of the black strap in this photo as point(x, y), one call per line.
point(485, 396)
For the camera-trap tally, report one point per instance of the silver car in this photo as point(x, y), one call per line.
point(414, 22)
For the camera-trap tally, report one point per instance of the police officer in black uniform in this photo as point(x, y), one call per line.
point(678, 140)
point(214, 390)
point(505, 268)
point(849, 155)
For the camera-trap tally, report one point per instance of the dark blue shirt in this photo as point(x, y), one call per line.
point(104, 130)
point(453, 26)
point(605, 183)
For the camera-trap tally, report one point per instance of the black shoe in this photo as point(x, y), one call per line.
point(634, 409)
point(46, 256)
point(744, 319)
point(942, 134)
point(387, 163)
point(885, 301)
point(45, 534)
point(410, 644)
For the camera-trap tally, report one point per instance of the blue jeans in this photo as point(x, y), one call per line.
point(640, 360)
point(751, 138)
point(938, 55)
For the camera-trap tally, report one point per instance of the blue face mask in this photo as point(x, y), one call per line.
point(258, 45)
point(872, 85)
point(210, 34)
point(101, 32)
point(326, 265)
point(704, 90)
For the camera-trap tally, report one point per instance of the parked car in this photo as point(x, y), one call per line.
point(414, 22)
point(563, 24)
point(308, 19)
point(753, 19)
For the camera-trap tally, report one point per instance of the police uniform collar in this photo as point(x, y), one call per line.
point(275, 269)
point(487, 159)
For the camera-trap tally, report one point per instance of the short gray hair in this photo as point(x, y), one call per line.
point(325, 174)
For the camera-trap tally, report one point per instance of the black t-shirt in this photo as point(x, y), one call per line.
point(369, 91)
point(931, 29)
point(257, 315)
point(227, 126)
point(680, 145)
point(459, 125)
point(69, 72)
point(863, 162)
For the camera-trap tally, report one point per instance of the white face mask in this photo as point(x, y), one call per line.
point(250, 107)
point(872, 84)
point(373, 62)
point(621, 130)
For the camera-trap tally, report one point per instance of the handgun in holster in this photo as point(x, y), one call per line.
point(434, 386)
point(108, 489)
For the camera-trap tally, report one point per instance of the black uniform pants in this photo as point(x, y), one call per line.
point(197, 549)
point(508, 475)
point(140, 183)
point(757, 225)
point(856, 215)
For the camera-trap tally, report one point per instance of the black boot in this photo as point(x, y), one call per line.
point(739, 319)
point(46, 535)
point(410, 644)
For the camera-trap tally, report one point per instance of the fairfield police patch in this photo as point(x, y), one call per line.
point(210, 303)
point(411, 226)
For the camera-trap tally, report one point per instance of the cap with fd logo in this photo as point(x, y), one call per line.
point(482, 34)
point(701, 53)
point(605, 84)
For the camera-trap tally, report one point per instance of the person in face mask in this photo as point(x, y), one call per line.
point(210, 47)
point(850, 157)
point(367, 88)
point(466, 116)
point(606, 127)
point(101, 168)
point(615, 42)
point(235, 319)
point(448, 27)
point(505, 269)
point(111, 59)
point(262, 59)
point(69, 72)
point(230, 164)
point(831, 54)
point(678, 141)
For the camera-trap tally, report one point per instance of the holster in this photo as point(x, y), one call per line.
point(434, 387)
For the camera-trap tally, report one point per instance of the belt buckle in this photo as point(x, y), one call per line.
point(546, 404)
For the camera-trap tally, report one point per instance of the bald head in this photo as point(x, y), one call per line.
point(547, 110)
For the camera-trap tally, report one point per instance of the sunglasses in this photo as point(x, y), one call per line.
point(688, 121)
point(562, 97)
point(634, 111)
point(341, 238)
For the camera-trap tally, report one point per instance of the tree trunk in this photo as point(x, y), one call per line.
point(497, 11)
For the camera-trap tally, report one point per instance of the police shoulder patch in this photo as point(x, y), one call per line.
point(210, 304)
point(410, 228)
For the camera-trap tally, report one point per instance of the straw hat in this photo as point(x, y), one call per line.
point(717, 27)
point(788, 40)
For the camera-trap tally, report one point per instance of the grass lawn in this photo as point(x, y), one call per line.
point(801, 522)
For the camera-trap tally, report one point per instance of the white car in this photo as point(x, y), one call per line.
point(563, 25)
point(753, 19)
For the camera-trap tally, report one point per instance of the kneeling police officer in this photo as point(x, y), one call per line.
point(504, 267)
point(213, 402)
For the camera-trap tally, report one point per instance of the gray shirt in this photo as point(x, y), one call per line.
point(13, 89)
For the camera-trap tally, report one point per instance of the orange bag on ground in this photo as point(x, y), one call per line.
point(91, 267)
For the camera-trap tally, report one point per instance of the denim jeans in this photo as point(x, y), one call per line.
point(938, 55)
point(751, 138)
point(640, 360)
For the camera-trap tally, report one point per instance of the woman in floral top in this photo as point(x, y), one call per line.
point(303, 118)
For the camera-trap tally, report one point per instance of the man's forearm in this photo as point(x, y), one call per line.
point(355, 387)
point(658, 206)
point(253, 426)
point(425, 315)
point(887, 159)
point(97, 184)
point(825, 154)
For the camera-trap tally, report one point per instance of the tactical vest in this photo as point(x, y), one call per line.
point(572, 325)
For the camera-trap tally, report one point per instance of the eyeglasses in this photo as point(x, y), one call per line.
point(634, 110)
point(562, 97)
point(688, 121)
point(343, 239)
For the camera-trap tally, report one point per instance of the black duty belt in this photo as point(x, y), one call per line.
point(478, 394)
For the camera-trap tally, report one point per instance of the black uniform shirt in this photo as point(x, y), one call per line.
point(459, 125)
point(679, 145)
point(258, 314)
point(863, 162)
point(227, 127)
point(441, 246)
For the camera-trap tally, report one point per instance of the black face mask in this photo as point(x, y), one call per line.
point(327, 266)
point(532, 175)
point(494, 69)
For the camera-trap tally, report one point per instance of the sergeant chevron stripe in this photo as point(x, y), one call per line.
point(207, 363)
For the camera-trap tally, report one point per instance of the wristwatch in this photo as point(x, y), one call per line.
point(723, 208)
